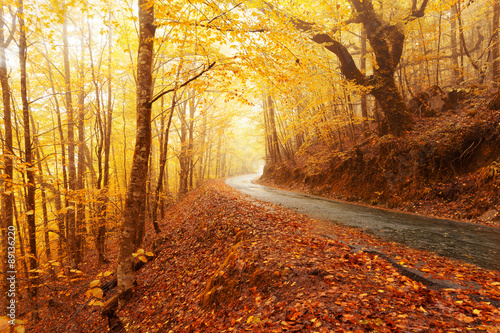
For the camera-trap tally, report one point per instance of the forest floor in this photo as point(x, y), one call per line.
point(447, 166)
point(227, 263)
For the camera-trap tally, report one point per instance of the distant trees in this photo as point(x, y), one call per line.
point(66, 130)
point(389, 49)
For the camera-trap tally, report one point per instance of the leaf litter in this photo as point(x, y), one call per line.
point(229, 263)
point(232, 264)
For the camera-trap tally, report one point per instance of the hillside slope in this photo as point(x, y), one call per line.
point(447, 166)
point(225, 262)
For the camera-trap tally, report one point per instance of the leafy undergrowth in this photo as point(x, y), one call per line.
point(446, 166)
point(230, 263)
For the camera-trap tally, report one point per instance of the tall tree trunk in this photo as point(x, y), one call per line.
point(183, 155)
point(125, 147)
point(41, 181)
point(439, 48)
point(163, 163)
point(28, 160)
point(454, 52)
point(299, 134)
point(267, 133)
point(133, 215)
point(107, 147)
point(20, 237)
point(70, 217)
point(102, 129)
point(61, 216)
point(80, 182)
point(203, 147)
point(275, 148)
point(364, 104)
point(218, 163)
point(426, 56)
point(7, 222)
point(208, 159)
point(495, 61)
point(190, 155)
point(475, 63)
point(57, 192)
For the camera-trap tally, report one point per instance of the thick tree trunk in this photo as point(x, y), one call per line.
point(28, 160)
point(397, 117)
point(387, 43)
point(364, 100)
point(136, 190)
point(7, 222)
point(275, 144)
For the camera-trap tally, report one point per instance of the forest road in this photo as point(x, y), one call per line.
point(476, 244)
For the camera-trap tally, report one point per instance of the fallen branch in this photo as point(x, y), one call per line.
point(415, 274)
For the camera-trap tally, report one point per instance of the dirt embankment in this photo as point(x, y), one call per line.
point(447, 166)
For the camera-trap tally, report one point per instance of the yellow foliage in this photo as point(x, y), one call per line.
point(97, 292)
point(95, 283)
point(4, 324)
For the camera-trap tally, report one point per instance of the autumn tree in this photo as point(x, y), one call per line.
point(7, 147)
point(28, 160)
point(72, 181)
point(133, 215)
point(387, 41)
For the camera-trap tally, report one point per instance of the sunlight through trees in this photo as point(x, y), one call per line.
point(112, 110)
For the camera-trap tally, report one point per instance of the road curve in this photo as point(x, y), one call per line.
point(476, 244)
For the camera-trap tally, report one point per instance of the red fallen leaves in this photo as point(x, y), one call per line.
point(231, 264)
point(248, 266)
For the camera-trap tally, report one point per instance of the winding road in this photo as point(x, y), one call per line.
point(476, 244)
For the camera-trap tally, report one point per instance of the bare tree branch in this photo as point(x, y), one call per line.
point(417, 13)
point(159, 95)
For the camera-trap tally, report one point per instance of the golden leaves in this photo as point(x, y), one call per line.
point(95, 283)
point(6, 324)
point(142, 255)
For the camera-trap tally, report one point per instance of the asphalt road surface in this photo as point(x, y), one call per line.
point(476, 244)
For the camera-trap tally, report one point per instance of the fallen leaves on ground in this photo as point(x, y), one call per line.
point(230, 263)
